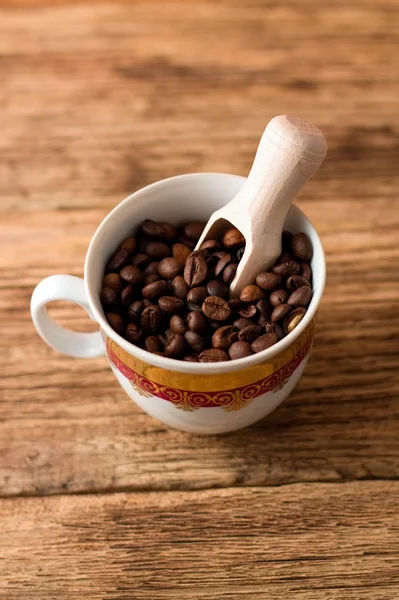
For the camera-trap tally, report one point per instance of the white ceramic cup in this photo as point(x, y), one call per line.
point(196, 397)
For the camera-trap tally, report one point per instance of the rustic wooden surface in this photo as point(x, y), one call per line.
point(97, 100)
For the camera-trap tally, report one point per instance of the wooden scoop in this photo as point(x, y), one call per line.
point(290, 151)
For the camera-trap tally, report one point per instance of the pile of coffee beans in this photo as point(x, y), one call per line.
point(164, 297)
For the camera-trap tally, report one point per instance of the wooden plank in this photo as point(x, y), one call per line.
point(309, 542)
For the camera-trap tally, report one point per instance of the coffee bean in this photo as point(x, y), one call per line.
point(108, 296)
point(147, 302)
point(278, 297)
point(162, 339)
point(269, 281)
point(213, 355)
point(201, 252)
point(263, 310)
point(224, 337)
point(194, 230)
point(264, 342)
point(240, 254)
point(293, 319)
point(222, 263)
point(152, 344)
point(151, 319)
point(220, 254)
point(169, 332)
point(242, 322)
point(134, 333)
point(235, 305)
point(197, 295)
point(240, 350)
point(195, 270)
point(229, 273)
point(142, 242)
point(250, 334)
point(178, 325)
point(116, 322)
point(158, 231)
point(151, 278)
point(113, 281)
point(210, 245)
point(170, 304)
point(117, 260)
point(151, 268)
point(175, 346)
point(170, 267)
point(195, 341)
point(197, 322)
point(251, 293)
point(301, 247)
point(181, 252)
point(285, 257)
point(296, 281)
point(179, 287)
point(156, 289)
point(216, 308)
point(276, 329)
point(190, 242)
point(280, 312)
point(157, 250)
point(247, 311)
point(301, 297)
point(131, 274)
point(306, 271)
point(217, 288)
point(191, 358)
point(233, 239)
point(286, 238)
point(287, 268)
point(129, 244)
point(127, 295)
point(140, 260)
point(214, 324)
point(135, 310)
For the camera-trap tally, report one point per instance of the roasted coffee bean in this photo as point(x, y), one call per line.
point(286, 238)
point(156, 289)
point(131, 274)
point(262, 306)
point(151, 268)
point(195, 271)
point(170, 267)
point(175, 346)
point(194, 230)
point(235, 304)
point(269, 281)
point(142, 242)
point(181, 252)
point(113, 281)
point(233, 239)
point(240, 253)
point(287, 268)
point(211, 245)
point(108, 296)
point(179, 287)
point(151, 319)
point(197, 295)
point(191, 358)
point(135, 310)
point(213, 355)
point(301, 297)
point(158, 231)
point(247, 311)
point(293, 319)
point(190, 242)
point(201, 252)
point(147, 302)
point(220, 254)
point(163, 339)
point(216, 308)
point(140, 260)
point(170, 304)
point(301, 247)
point(222, 263)
point(127, 295)
point(194, 307)
point(240, 350)
point(157, 250)
point(296, 281)
point(134, 333)
point(151, 278)
point(217, 288)
point(224, 337)
point(280, 312)
point(285, 257)
point(197, 322)
point(152, 344)
point(264, 342)
point(242, 322)
point(251, 293)
point(276, 329)
point(195, 341)
point(129, 244)
point(214, 324)
point(169, 332)
point(229, 273)
point(250, 334)
point(178, 325)
point(117, 261)
point(278, 297)
point(116, 322)
point(306, 271)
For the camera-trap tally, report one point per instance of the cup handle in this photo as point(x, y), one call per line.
point(64, 287)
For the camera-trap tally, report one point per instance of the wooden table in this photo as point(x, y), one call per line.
point(100, 500)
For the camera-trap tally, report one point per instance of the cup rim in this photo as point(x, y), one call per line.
point(191, 367)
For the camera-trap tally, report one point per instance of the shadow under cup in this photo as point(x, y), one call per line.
point(197, 397)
